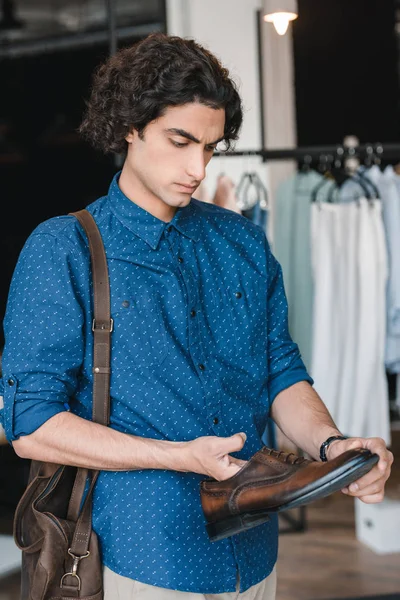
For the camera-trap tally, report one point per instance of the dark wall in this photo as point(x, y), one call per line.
point(346, 71)
point(45, 168)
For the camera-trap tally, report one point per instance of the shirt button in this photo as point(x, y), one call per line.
point(180, 259)
point(238, 294)
point(193, 313)
point(169, 229)
point(215, 420)
point(11, 382)
point(201, 367)
point(125, 303)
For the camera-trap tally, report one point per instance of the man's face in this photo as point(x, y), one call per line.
point(163, 169)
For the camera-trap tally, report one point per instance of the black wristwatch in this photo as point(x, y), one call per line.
point(324, 446)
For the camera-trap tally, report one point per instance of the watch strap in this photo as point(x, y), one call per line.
point(325, 445)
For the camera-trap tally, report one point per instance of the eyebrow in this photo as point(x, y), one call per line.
point(190, 137)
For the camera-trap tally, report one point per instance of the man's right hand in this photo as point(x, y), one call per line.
point(210, 455)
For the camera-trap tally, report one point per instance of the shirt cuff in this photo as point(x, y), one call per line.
point(297, 372)
point(26, 421)
point(24, 416)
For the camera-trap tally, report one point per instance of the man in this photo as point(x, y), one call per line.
point(201, 353)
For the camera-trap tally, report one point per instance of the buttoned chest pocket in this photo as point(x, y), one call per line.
point(139, 337)
point(240, 319)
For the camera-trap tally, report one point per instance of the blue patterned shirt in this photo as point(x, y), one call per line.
point(200, 347)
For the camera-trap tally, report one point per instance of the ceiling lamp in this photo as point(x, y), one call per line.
point(280, 13)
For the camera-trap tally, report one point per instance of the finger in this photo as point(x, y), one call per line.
point(237, 461)
point(369, 479)
point(385, 462)
point(374, 477)
point(378, 446)
point(372, 499)
point(375, 488)
point(234, 443)
point(229, 470)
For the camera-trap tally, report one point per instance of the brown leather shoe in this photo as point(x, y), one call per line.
point(272, 481)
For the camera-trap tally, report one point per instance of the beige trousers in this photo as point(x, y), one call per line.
point(117, 587)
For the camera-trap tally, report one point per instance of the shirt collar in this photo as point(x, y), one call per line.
point(145, 225)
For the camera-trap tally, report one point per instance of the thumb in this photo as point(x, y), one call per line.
point(355, 444)
point(343, 446)
point(235, 442)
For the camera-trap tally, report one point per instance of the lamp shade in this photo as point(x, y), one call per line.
point(280, 13)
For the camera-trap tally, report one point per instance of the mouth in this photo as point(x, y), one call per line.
point(186, 188)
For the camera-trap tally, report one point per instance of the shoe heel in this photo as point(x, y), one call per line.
point(222, 529)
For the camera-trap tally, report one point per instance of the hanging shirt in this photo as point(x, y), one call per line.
point(200, 347)
point(350, 274)
point(257, 214)
point(292, 249)
point(387, 184)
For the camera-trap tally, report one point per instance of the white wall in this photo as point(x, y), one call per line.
point(228, 28)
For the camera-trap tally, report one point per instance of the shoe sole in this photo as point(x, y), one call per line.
point(333, 482)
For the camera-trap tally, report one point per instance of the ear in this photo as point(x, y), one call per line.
point(131, 136)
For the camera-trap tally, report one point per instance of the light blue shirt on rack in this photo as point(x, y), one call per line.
point(292, 248)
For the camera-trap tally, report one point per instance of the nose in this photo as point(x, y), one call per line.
point(196, 168)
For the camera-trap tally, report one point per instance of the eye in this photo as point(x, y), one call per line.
point(179, 144)
point(210, 148)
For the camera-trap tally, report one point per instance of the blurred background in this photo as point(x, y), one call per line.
point(320, 146)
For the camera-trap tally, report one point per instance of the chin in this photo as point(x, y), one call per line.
point(181, 200)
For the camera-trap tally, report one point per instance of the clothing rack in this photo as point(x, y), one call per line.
point(328, 154)
point(377, 149)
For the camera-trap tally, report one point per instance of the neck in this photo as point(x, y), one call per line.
point(134, 189)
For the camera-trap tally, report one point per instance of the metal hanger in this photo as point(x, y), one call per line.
point(250, 191)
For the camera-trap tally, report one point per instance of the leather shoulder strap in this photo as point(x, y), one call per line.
point(102, 325)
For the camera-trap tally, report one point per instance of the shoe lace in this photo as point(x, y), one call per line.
point(289, 457)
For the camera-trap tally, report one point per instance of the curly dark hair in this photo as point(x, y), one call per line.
point(137, 85)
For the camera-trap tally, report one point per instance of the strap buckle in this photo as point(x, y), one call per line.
point(75, 564)
point(103, 326)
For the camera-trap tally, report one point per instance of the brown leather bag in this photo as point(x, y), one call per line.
point(60, 552)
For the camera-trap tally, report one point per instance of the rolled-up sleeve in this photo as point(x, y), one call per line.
point(44, 347)
point(284, 360)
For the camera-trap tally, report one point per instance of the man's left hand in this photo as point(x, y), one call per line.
point(371, 487)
